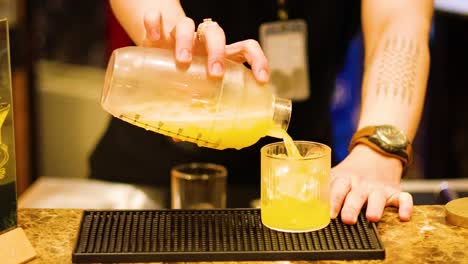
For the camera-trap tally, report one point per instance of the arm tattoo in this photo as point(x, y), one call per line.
point(396, 70)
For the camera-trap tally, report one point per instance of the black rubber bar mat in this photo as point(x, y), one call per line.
point(214, 235)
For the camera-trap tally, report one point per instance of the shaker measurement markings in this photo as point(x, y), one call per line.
point(159, 128)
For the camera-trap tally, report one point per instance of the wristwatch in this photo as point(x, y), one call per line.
point(386, 140)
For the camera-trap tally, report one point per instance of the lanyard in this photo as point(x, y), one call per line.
point(282, 11)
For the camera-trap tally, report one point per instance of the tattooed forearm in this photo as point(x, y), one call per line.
point(396, 68)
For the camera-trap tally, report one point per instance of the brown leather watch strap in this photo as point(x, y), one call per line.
point(362, 137)
point(361, 133)
point(365, 141)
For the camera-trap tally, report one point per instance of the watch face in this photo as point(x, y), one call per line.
point(391, 136)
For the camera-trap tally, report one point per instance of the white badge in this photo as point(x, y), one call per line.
point(285, 46)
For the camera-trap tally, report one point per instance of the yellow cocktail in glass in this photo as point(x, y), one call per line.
point(295, 188)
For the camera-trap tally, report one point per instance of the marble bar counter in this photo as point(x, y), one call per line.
point(427, 238)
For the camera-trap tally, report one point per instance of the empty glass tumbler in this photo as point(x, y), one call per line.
point(198, 186)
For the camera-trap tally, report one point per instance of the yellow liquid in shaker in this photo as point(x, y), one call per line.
point(218, 131)
point(289, 205)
